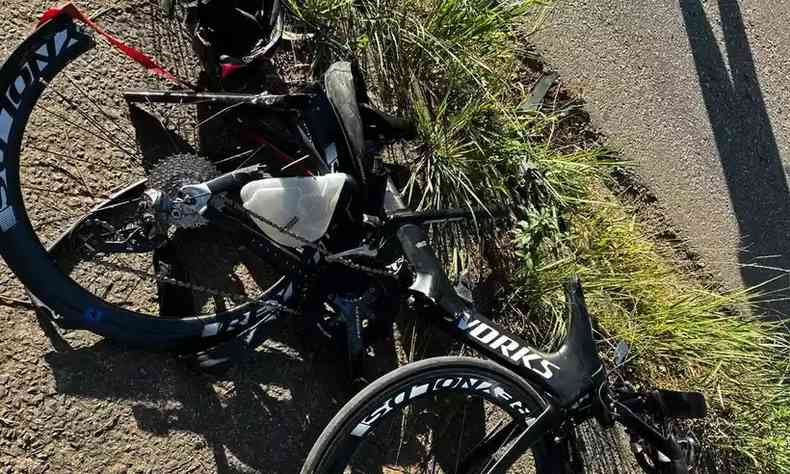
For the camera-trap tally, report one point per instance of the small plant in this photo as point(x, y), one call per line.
point(682, 335)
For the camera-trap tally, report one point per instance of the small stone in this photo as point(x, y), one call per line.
point(113, 114)
point(118, 468)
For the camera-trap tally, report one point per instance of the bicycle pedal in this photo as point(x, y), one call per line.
point(673, 404)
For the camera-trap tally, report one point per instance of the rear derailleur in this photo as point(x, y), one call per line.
point(144, 231)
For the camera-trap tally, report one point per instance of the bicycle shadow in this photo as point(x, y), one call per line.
point(747, 148)
point(154, 138)
point(262, 416)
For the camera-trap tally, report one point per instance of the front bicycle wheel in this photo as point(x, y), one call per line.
point(439, 415)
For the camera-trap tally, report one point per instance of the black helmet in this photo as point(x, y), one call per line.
point(230, 34)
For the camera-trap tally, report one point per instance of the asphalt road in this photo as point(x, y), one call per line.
point(697, 94)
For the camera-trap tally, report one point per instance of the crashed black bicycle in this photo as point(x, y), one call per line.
point(216, 231)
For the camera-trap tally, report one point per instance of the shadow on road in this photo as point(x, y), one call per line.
point(747, 147)
point(262, 416)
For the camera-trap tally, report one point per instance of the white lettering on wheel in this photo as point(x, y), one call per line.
point(27, 74)
point(471, 384)
point(6, 121)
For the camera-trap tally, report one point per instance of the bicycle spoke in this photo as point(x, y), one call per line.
point(250, 158)
point(239, 155)
point(126, 299)
point(109, 137)
point(92, 133)
point(460, 440)
point(99, 108)
point(75, 158)
point(78, 179)
point(57, 220)
point(219, 114)
point(62, 193)
point(62, 216)
point(83, 145)
point(120, 204)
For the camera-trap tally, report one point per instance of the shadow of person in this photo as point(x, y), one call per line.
point(747, 148)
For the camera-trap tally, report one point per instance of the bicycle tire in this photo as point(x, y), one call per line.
point(23, 78)
point(328, 453)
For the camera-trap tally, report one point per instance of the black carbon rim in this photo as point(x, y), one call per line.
point(23, 78)
point(346, 448)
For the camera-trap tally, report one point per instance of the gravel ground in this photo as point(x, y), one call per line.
point(81, 404)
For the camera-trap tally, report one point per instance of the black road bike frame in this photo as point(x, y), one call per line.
point(572, 380)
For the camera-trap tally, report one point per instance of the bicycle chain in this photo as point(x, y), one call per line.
point(327, 255)
point(197, 288)
point(238, 296)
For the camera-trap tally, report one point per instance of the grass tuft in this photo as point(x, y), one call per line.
point(683, 336)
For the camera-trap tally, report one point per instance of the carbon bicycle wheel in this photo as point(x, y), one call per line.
point(433, 416)
point(75, 161)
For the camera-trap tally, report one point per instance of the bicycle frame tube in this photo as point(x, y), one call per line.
point(572, 375)
point(564, 374)
point(519, 444)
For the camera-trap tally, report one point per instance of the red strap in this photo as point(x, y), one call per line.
point(228, 69)
point(135, 54)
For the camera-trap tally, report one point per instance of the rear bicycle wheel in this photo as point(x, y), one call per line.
point(440, 415)
point(75, 161)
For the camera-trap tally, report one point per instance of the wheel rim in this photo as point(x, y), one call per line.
point(431, 437)
point(434, 422)
point(82, 144)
